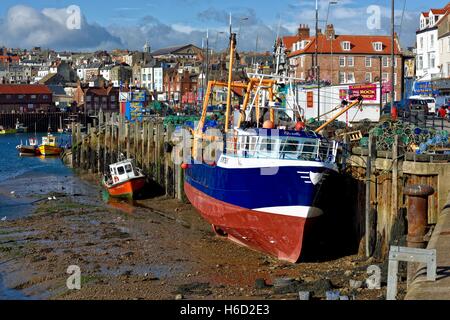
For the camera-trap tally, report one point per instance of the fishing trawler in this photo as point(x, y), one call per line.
point(261, 190)
point(124, 180)
point(49, 146)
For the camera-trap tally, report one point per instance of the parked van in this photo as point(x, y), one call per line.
point(430, 101)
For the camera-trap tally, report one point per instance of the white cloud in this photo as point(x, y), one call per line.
point(26, 27)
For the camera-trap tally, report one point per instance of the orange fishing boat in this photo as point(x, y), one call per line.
point(124, 180)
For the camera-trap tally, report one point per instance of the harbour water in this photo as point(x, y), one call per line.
point(22, 179)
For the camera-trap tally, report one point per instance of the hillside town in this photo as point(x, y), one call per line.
point(41, 79)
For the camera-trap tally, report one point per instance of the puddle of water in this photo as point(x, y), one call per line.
point(10, 294)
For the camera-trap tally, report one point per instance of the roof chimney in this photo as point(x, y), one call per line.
point(303, 31)
point(330, 33)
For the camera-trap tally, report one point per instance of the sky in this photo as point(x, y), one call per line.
point(105, 25)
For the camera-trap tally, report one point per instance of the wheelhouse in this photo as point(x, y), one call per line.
point(124, 171)
point(279, 144)
point(49, 141)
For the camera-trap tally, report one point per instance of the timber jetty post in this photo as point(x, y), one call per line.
point(147, 142)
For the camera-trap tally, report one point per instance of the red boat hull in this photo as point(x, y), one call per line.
point(281, 236)
point(126, 189)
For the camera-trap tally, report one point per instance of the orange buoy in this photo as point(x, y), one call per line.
point(184, 166)
point(300, 126)
point(268, 124)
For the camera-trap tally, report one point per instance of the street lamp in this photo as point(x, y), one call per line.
point(328, 12)
point(240, 26)
point(217, 39)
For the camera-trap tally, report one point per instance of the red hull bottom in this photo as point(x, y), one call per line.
point(277, 235)
point(126, 189)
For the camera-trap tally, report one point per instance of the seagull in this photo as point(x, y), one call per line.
point(13, 192)
point(54, 198)
point(50, 198)
point(4, 218)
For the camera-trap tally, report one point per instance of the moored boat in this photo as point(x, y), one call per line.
point(20, 128)
point(49, 146)
point(32, 149)
point(4, 130)
point(262, 187)
point(124, 180)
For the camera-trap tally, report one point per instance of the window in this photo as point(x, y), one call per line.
point(385, 62)
point(128, 168)
point(8, 96)
point(144, 77)
point(45, 97)
point(432, 61)
point(385, 77)
point(341, 77)
point(432, 41)
point(420, 62)
point(395, 79)
point(351, 77)
point(346, 45)
point(21, 96)
point(120, 170)
point(421, 42)
point(368, 76)
point(113, 98)
point(368, 62)
point(88, 98)
point(378, 46)
point(351, 61)
point(342, 61)
point(33, 96)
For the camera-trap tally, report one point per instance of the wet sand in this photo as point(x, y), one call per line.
point(158, 249)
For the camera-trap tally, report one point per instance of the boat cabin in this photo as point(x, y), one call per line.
point(49, 141)
point(123, 171)
point(281, 144)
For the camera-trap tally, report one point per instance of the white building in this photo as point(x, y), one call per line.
point(152, 78)
point(428, 52)
point(105, 72)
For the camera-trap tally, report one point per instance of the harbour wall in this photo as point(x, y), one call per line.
point(41, 122)
point(388, 204)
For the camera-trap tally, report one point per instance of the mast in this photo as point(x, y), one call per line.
point(207, 58)
point(316, 64)
point(230, 78)
point(392, 53)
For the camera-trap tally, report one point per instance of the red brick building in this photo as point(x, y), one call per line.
point(344, 59)
point(25, 98)
point(92, 99)
point(180, 87)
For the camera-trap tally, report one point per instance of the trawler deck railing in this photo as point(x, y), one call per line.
point(284, 148)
